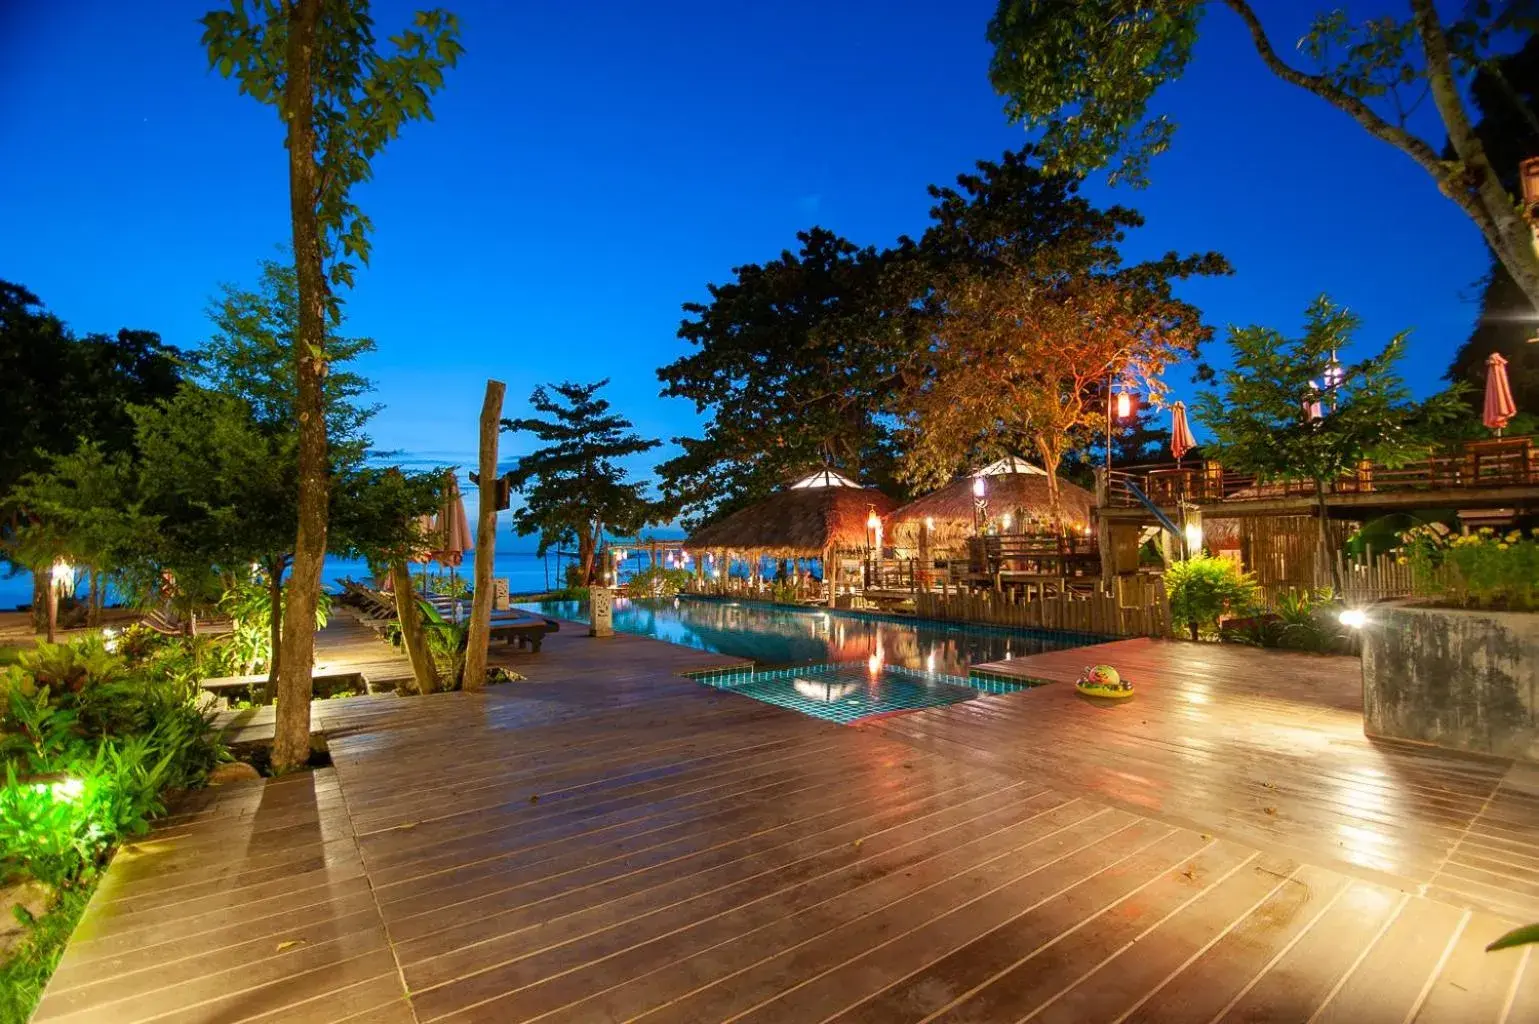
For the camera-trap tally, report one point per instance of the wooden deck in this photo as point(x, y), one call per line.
point(611, 842)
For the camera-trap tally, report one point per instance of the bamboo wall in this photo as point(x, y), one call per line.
point(1136, 607)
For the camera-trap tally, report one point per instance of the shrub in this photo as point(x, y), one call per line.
point(1203, 588)
point(90, 745)
point(1484, 569)
point(658, 582)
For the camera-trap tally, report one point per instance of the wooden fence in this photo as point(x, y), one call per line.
point(1364, 580)
point(1134, 607)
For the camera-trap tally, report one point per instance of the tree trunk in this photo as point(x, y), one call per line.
point(1050, 459)
point(412, 638)
point(1480, 191)
point(40, 587)
point(1324, 550)
point(486, 540)
point(291, 742)
point(275, 627)
point(94, 602)
point(51, 605)
point(585, 546)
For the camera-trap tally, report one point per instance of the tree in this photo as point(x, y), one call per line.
point(56, 389)
point(250, 357)
point(573, 486)
point(1086, 73)
point(1258, 423)
point(341, 101)
point(1509, 129)
point(87, 501)
point(221, 487)
point(1031, 314)
point(794, 361)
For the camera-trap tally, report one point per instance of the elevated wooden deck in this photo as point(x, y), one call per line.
point(611, 842)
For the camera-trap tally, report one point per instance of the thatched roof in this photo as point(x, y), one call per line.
point(796, 522)
point(1022, 495)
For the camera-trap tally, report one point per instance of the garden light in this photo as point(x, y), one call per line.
point(1005, 521)
point(979, 486)
point(929, 522)
point(1193, 538)
point(1354, 618)
point(1124, 405)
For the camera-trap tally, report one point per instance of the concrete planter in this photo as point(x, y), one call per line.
point(1462, 679)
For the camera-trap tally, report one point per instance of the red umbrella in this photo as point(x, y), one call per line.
point(453, 534)
point(1181, 440)
point(1499, 404)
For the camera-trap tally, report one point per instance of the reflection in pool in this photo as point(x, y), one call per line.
point(776, 635)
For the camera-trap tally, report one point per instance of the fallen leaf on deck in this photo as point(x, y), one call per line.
point(290, 944)
point(535, 798)
point(1270, 810)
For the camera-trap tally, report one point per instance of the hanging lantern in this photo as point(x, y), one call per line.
point(980, 487)
point(1528, 170)
point(1124, 405)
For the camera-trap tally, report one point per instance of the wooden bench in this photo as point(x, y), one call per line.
point(523, 631)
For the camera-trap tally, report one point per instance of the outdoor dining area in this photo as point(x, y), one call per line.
point(826, 539)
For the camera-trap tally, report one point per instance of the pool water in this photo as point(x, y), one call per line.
point(848, 693)
point(860, 664)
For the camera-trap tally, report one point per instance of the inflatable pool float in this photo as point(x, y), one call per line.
point(1103, 681)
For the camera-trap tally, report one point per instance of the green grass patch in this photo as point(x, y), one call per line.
point(26, 972)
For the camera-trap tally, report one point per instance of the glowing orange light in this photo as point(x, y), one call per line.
point(1124, 405)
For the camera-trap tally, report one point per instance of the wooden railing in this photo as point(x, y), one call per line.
point(1032, 555)
point(1133, 607)
point(1499, 462)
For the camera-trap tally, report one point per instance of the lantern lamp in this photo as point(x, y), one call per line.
point(1528, 170)
point(980, 486)
point(1124, 405)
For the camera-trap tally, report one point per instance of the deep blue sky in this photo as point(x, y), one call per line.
point(594, 165)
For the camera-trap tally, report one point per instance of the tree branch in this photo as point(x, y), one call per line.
point(1327, 90)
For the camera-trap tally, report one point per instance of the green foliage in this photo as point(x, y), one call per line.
point(1517, 937)
point(1257, 420)
point(1084, 73)
point(1203, 588)
point(248, 603)
point(56, 388)
point(793, 359)
point(573, 484)
point(1082, 77)
point(90, 744)
point(1484, 569)
point(251, 356)
point(362, 97)
point(444, 585)
point(658, 581)
point(1304, 621)
point(447, 642)
point(27, 968)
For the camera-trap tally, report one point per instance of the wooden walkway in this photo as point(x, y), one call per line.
point(611, 842)
point(1266, 747)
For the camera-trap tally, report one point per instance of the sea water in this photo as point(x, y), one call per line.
point(526, 573)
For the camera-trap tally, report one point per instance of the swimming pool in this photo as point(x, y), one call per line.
point(779, 636)
point(849, 692)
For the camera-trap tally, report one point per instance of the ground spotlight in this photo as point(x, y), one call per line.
point(1354, 618)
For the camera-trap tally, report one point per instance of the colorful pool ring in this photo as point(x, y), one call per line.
point(1104, 681)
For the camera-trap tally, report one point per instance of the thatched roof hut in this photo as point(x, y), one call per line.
point(822, 512)
point(1014, 487)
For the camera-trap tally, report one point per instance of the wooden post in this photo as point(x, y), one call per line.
point(486, 540)
point(410, 618)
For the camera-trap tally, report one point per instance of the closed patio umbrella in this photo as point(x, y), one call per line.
point(1181, 440)
point(1499, 406)
point(453, 533)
